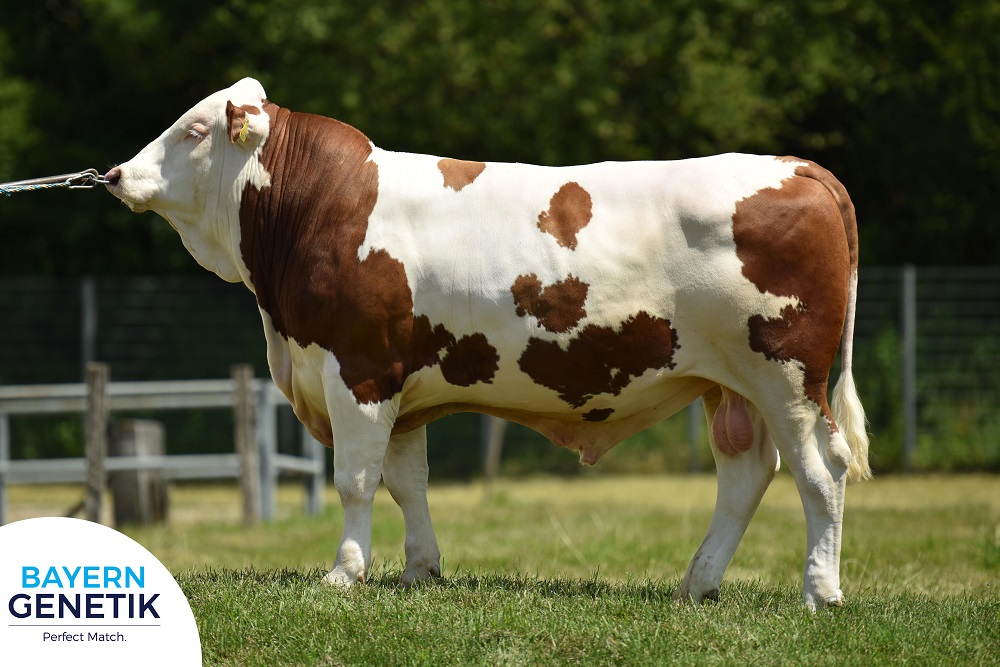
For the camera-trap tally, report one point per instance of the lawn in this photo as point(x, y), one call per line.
point(582, 570)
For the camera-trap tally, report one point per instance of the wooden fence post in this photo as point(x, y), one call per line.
point(96, 446)
point(140, 497)
point(245, 432)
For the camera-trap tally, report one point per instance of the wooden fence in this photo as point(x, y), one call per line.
point(256, 461)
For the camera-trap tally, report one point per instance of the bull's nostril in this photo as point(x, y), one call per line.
point(113, 176)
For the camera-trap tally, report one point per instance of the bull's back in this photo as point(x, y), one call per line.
point(633, 233)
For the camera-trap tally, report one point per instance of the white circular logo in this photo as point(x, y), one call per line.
point(74, 592)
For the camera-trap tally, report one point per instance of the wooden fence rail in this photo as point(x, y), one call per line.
point(256, 462)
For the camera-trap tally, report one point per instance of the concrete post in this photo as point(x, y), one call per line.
point(909, 317)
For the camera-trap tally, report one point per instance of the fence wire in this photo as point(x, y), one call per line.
point(162, 328)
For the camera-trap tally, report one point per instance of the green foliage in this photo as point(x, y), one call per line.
point(898, 99)
point(958, 427)
point(45, 437)
point(16, 132)
point(881, 391)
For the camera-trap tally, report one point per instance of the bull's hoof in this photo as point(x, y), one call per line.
point(342, 579)
point(711, 595)
point(835, 600)
point(825, 602)
point(418, 574)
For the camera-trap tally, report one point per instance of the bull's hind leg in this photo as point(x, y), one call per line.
point(404, 472)
point(818, 457)
point(743, 477)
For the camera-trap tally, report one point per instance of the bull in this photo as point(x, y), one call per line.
point(585, 302)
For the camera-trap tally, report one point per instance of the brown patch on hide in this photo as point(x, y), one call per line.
point(570, 209)
point(598, 414)
point(601, 360)
point(557, 307)
point(796, 241)
point(469, 360)
point(459, 173)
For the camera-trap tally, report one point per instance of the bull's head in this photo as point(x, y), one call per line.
point(195, 172)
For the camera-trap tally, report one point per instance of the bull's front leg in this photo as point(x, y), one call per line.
point(405, 474)
point(361, 437)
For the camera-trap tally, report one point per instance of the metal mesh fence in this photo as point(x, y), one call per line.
point(40, 331)
point(162, 328)
point(197, 327)
point(957, 368)
point(954, 366)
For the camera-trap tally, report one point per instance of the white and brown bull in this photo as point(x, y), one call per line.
point(585, 302)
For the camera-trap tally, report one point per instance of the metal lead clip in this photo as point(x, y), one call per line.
point(85, 179)
point(81, 180)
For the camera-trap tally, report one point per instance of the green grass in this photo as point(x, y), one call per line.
point(285, 617)
point(583, 571)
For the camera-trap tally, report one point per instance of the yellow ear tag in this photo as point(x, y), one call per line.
point(245, 130)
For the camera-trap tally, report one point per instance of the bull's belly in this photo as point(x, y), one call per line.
point(308, 376)
point(591, 421)
point(593, 429)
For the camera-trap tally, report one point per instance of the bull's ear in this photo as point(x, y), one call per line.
point(238, 122)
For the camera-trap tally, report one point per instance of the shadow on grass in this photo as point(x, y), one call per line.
point(563, 587)
point(386, 580)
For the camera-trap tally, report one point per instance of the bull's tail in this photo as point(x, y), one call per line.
point(848, 413)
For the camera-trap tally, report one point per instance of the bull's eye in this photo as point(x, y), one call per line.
point(197, 132)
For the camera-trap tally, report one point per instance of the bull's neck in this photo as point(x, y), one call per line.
point(315, 211)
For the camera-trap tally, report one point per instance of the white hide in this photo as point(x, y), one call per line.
point(194, 177)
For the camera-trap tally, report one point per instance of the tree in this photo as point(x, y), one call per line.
point(898, 98)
